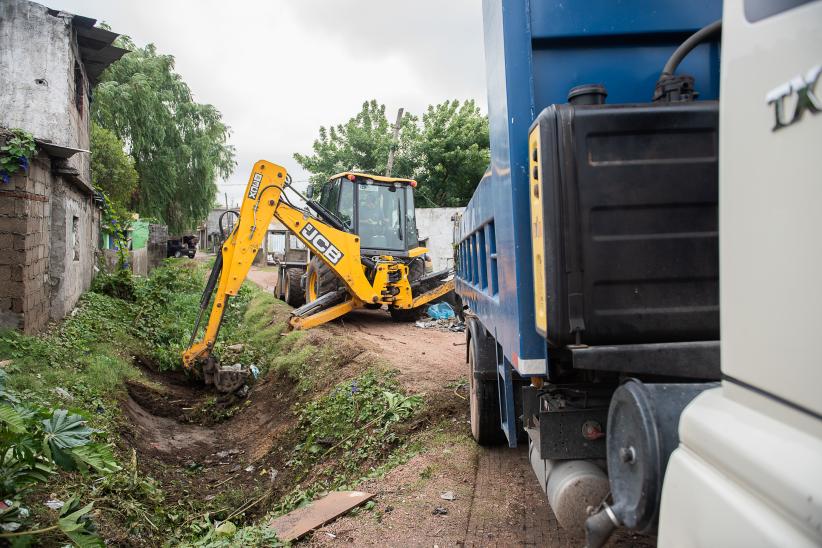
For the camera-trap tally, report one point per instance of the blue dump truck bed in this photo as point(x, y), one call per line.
point(535, 52)
point(589, 252)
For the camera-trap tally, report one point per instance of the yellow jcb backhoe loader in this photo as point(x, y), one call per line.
point(365, 253)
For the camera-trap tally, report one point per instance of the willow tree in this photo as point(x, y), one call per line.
point(180, 147)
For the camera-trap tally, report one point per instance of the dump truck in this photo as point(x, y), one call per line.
point(290, 258)
point(365, 253)
point(652, 186)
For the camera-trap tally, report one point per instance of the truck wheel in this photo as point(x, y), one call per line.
point(293, 292)
point(483, 393)
point(320, 279)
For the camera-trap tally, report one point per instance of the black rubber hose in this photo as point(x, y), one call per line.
point(688, 45)
point(209, 289)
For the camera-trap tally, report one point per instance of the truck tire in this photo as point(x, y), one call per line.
point(294, 295)
point(483, 393)
point(319, 280)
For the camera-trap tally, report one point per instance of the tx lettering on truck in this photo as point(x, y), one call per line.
point(321, 243)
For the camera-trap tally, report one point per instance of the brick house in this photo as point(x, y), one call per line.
point(49, 219)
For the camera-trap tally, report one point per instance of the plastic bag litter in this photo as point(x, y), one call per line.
point(440, 311)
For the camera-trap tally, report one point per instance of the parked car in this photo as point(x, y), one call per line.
point(180, 247)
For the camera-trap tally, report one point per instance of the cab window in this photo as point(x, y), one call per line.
point(330, 195)
point(346, 209)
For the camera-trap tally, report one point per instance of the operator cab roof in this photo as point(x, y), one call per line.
point(379, 178)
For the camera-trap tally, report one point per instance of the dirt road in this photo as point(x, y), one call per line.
point(497, 501)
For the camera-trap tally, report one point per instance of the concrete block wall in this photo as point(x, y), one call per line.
point(434, 224)
point(25, 221)
point(137, 261)
point(157, 245)
point(48, 243)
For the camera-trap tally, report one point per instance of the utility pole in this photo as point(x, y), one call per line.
point(394, 143)
point(226, 200)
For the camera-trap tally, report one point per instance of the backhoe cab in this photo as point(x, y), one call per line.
point(365, 253)
point(380, 210)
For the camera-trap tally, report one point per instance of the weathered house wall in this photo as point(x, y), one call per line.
point(45, 89)
point(74, 236)
point(49, 220)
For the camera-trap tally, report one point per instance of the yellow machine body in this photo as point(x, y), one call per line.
point(338, 249)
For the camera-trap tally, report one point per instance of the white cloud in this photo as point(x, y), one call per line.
point(279, 70)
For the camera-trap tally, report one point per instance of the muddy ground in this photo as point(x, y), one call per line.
point(497, 500)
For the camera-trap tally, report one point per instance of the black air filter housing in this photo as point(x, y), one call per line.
point(628, 195)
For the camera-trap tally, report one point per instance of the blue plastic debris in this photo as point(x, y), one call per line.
point(255, 371)
point(440, 311)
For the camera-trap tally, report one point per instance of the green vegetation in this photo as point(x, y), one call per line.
point(16, 151)
point(344, 421)
point(180, 147)
point(447, 153)
point(34, 443)
point(112, 170)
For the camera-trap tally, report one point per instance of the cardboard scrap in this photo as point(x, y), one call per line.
point(298, 522)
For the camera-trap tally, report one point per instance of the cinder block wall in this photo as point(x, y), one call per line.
point(25, 221)
point(157, 245)
point(48, 241)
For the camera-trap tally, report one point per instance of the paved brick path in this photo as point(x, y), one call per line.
point(499, 513)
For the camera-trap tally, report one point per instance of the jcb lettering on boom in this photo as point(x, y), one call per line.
point(321, 243)
point(255, 186)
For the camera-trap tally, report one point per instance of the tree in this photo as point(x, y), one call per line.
point(447, 153)
point(112, 170)
point(452, 152)
point(179, 146)
point(361, 144)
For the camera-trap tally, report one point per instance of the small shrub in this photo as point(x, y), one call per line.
point(118, 284)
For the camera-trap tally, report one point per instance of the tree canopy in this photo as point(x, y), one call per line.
point(447, 152)
point(112, 170)
point(361, 144)
point(179, 146)
point(452, 152)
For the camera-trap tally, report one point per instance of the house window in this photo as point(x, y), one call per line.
point(79, 88)
point(75, 236)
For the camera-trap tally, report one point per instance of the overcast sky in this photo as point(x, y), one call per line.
point(278, 70)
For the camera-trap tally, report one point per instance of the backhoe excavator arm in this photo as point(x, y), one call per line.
point(263, 201)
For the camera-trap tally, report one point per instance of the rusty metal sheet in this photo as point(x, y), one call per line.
point(298, 522)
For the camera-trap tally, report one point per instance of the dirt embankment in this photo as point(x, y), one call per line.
point(495, 500)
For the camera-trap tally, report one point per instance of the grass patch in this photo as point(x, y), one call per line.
point(350, 417)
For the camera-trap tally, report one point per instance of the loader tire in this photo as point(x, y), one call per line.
point(319, 280)
point(294, 295)
point(482, 389)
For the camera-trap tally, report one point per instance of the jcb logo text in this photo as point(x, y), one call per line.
point(321, 243)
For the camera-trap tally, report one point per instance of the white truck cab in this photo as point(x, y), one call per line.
point(748, 470)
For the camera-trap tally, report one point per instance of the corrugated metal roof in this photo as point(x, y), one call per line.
point(96, 46)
